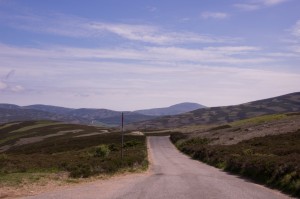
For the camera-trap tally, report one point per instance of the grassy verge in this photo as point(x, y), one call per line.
point(270, 160)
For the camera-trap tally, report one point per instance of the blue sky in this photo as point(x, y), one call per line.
point(128, 55)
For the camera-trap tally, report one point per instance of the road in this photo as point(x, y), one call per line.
point(172, 175)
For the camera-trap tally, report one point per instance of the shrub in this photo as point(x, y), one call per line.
point(220, 127)
point(131, 143)
point(113, 147)
point(102, 151)
point(175, 137)
point(80, 171)
point(3, 157)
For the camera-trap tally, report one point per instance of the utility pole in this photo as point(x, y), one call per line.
point(122, 132)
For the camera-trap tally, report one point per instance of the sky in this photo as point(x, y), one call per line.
point(133, 54)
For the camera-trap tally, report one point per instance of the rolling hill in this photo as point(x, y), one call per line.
point(11, 112)
point(171, 110)
point(40, 149)
point(48, 108)
point(220, 115)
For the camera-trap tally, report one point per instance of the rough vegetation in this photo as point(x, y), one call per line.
point(65, 151)
point(271, 156)
point(235, 132)
point(223, 115)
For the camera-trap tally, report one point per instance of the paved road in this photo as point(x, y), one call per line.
point(172, 175)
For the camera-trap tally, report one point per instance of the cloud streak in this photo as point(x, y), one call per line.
point(223, 54)
point(258, 4)
point(296, 29)
point(214, 15)
point(7, 86)
point(71, 26)
point(107, 82)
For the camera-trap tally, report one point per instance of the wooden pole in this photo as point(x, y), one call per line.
point(122, 153)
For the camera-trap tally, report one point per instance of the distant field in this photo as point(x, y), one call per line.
point(35, 147)
point(272, 157)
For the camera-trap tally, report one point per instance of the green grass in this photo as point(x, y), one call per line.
point(14, 137)
point(259, 120)
point(37, 125)
point(16, 179)
point(8, 125)
point(271, 160)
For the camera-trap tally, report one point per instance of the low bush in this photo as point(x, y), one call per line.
point(102, 151)
point(80, 171)
point(131, 143)
point(226, 126)
point(175, 137)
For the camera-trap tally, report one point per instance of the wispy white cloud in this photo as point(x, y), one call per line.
point(272, 2)
point(283, 54)
point(295, 49)
point(247, 7)
point(7, 86)
point(108, 83)
point(150, 65)
point(152, 8)
point(293, 40)
point(215, 15)
point(104, 71)
point(71, 26)
point(152, 34)
point(223, 54)
point(258, 4)
point(66, 76)
point(184, 19)
point(2, 85)
point(233, 49)
point(296, 29)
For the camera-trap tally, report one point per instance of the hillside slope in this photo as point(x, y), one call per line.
point(11, 112)
point(171, 110)
point(20, 114)
point(220, 115)
point(48, 108)
point(35, 153)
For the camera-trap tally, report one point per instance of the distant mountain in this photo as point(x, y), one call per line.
point(94, 114)
point(11, 112)
point(171, 110)
point(48, 108)
point(219, 115)
point(9, 106)
point(129, 117)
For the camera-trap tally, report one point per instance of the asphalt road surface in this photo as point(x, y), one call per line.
point(172, 175)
